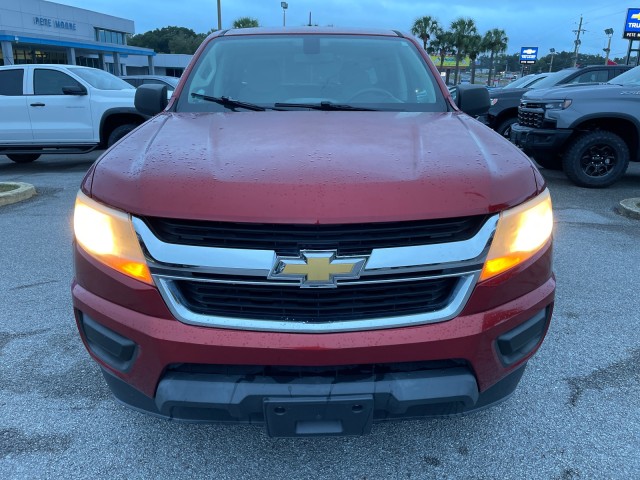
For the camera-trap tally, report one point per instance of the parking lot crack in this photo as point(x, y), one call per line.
point(612, 376)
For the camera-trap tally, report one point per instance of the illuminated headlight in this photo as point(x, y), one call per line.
point(521, 232)
point(557, 104)
point(108, 236)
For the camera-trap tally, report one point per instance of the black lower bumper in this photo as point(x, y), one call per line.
point(533, 140)
point(311, 406)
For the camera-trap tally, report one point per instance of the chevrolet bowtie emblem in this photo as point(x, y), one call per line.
point(314, 268)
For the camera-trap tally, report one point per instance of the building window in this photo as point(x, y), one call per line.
point(110, 36)
point(174, 72)
point(29, 55)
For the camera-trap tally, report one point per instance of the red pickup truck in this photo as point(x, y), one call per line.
point(313, 236)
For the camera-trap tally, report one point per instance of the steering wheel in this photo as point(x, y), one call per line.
point(380, 92)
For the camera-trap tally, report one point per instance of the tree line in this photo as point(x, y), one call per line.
point(462, 40)
point(180, 39)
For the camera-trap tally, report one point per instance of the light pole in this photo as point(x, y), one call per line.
point(219, 16)
point(553, 52)
point(284, 6)
point(609, 33)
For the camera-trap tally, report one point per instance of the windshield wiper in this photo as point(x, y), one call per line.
point(325, 105)
point(232, 104)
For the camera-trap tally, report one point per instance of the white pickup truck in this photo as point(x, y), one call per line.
point(62, 109)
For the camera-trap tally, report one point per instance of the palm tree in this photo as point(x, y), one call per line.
point(474, 48)
point(495, 41)
point(461, 30)
point(245, 22)
point(424, 28)
point(440, 46)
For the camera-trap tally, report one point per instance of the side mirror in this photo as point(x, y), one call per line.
point(151, 99)
point(473, 99)
point(74, 90)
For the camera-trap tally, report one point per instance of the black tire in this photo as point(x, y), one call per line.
point(23, 157)
point(504, 128)
point(596, 159)
point(550, 162)
point(120, 132)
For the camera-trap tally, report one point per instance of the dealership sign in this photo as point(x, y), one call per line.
point(528, 55)
point(49, 22)
point(632, 25)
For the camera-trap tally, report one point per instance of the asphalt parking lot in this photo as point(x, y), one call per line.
point(575, 415)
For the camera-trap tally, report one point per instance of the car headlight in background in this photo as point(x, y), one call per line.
point(557, 104)
point(521, 232)
point(108, 236)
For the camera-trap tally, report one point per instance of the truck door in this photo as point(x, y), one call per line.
point(57, 117)
point(15, 125)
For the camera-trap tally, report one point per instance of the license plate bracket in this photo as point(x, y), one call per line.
point(318, 416)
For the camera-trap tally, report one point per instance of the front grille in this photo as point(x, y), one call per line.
point(531, 115)
point(293, 304)
point(348, 239)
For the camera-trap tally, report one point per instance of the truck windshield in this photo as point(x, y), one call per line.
point(630, 77)
point(100, 79)
point(293, 72)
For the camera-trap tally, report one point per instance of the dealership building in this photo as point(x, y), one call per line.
point(38, 31)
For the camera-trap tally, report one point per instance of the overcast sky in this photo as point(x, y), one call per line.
point(538, 23)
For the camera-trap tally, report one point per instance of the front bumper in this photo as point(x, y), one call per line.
point(314, 404)
point(533, 140)
point(186, 372)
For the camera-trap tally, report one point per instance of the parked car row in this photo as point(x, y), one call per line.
point(589, 131)
point(503, 112)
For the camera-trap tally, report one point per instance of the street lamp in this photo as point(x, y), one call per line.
point(609, 33)
point(553, 52)
point(284, 6)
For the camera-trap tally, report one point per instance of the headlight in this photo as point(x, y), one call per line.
point(521, 232)
point(493, 101)
point(108, 236)
point(557, 104)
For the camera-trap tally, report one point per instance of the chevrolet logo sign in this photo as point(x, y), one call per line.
point(319, 269)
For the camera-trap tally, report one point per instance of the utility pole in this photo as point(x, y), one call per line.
point(609, 33)
point(553, 52)
point(219, 16)
point(577, 41)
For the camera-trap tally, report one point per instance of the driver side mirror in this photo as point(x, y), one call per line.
point(473, 99)
point(151, 99)
point(74, 90)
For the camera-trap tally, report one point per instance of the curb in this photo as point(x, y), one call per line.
point(629, 208)
point(22, 191)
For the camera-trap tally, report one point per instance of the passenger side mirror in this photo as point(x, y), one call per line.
point(74, 90)
point(473, 99)
point(151, 99)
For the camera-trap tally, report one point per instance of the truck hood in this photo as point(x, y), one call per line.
point(312, 167)
point(584, 90)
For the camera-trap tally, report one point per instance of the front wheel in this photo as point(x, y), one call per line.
point(23, 157)
point(504, 128)
point(120, 132)
point(596, 159)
